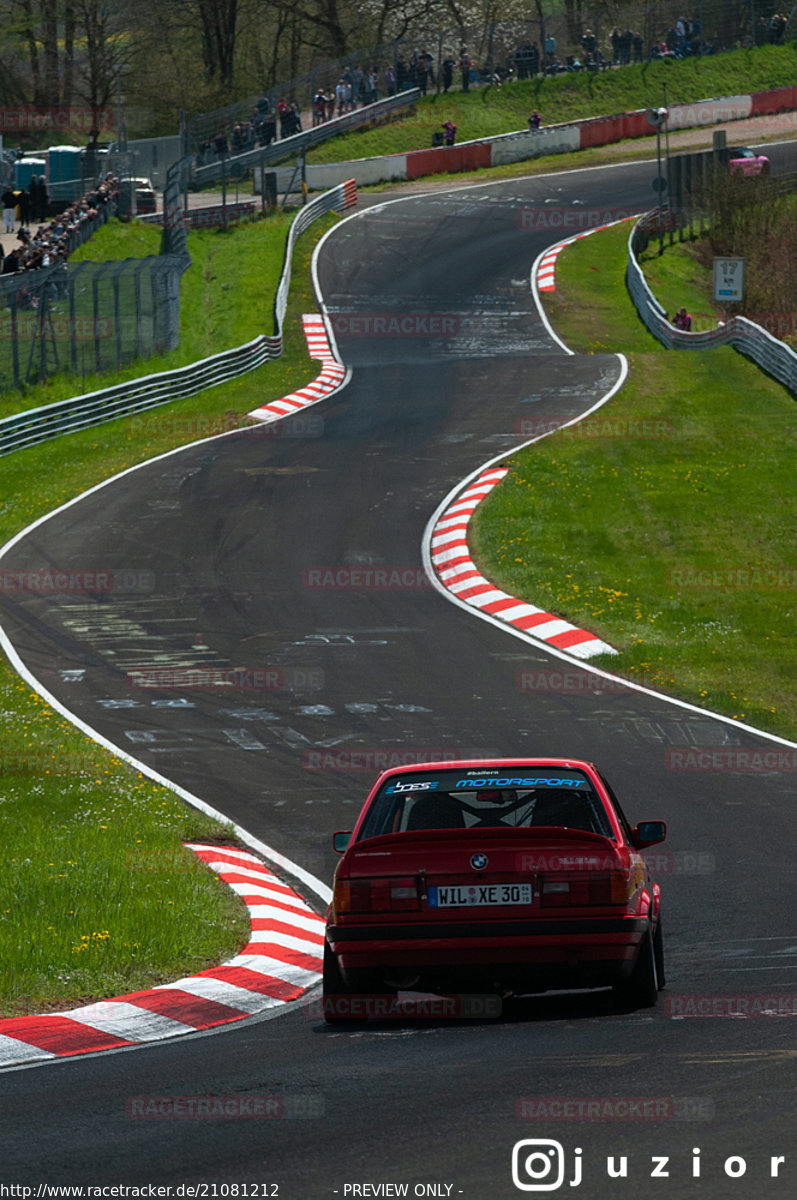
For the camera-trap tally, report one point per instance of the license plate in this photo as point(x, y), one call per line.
point(472, 895)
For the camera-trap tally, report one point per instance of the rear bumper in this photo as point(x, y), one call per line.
point(538, 954)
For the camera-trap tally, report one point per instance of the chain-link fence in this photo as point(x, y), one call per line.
point(87, 317)
point(577, 37)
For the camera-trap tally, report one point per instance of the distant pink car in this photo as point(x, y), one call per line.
point(742, 159)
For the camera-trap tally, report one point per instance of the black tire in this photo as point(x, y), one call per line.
point(641, 989)
point(658, 950)
point(335, 990)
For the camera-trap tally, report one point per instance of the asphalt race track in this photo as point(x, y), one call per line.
point(242, 554)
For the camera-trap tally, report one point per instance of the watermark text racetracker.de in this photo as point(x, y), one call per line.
point(570, 218)
point(735, 578)
point(615, 1108)
point(544, 1165)
point(366, 578)
point(742, 759)
point(93, 581)
point(240, 679)
point(382, 758)
point(659, 862)
point(597, 429)
point(199, 425)
point(394, 324)
point(739, 1006)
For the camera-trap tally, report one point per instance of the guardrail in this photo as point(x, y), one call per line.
point(237, 165)
point(771, 354)
point(83, 412)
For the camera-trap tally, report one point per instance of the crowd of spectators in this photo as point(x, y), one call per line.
point(683, 39)
point(359, 86)
point(52, 242)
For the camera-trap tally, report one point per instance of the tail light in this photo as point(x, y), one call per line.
point(376, 895)
point(584, 890)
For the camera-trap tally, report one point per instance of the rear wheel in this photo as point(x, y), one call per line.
point(658, 951)
point(641, 989)
point(352, 1002)
point(336, 995)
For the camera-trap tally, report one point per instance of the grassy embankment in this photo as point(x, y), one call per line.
point(98, 896)
point(223, 301)
point(678, 548)
point(486, 112)
point(759, 224)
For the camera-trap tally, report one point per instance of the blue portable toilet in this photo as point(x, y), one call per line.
point(25, 169)
point(64, 163)
point(66, 169)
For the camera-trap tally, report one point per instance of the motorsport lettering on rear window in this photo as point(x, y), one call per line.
point(553, 781)
point(488, 777)
point(461, 797)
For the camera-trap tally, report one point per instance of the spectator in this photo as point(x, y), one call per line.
point(615, 37)
point(24, 202)
point(626, 42)
point(464, 68)
point(448, 73)
point(429, 65)
point(683, 320)
point(9, 209)
point(449, 132)
point(535, 121)
point(390, 81)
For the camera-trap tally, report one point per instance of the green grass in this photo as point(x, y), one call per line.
point(485, 112)
point(636, 537)
point(98, 895)
point(678, 280)
point(102, 899)
point(226, 298)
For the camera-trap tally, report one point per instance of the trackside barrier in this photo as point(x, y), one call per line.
point(551, 139)
point(83, 412)
point(771, 354)
point(237, 165)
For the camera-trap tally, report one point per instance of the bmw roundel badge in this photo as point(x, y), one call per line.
point(478, 861)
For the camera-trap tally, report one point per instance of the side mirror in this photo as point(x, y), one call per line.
point(340, 840)
point(648, 833)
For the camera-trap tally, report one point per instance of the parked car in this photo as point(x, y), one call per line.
point(145, 196)
point(503, 875)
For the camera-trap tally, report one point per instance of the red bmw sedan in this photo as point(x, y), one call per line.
point(507, 875)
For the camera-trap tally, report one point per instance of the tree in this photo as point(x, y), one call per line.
point(219, 19)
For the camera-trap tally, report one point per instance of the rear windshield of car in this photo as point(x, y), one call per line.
point(522, 797)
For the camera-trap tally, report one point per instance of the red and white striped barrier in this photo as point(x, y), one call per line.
point(281, 961)
point(459, 575)
point(332, 375)
point(555, 139)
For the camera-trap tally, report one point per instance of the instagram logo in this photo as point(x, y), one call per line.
point(538, 1165)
